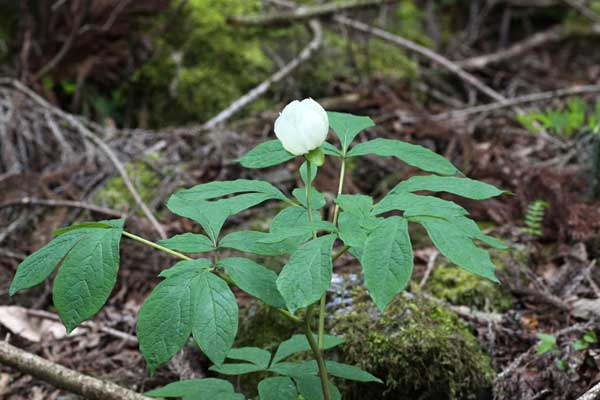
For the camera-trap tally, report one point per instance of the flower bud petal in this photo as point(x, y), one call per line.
point(302, 126)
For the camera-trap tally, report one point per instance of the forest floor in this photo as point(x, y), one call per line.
point(551, 275)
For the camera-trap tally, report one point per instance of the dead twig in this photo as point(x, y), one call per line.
point(430, 266)
point(25, 201)
point(584, 10)
point(64, 378)
point(259, 90)
point(509, 103)
point(302, 13)
point(89, 135)
point(591, 394)
point(554, 34)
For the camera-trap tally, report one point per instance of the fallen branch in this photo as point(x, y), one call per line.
point(89, 135)
point(259, 90)
point(554, 34)
point(301, 13)
point(25, 201)
point(64, 378)
point(592, 394)
point(584, 10)
point(515, 101)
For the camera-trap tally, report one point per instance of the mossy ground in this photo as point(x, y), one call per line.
point(460, 287)
point(115, 194)
point(419, 349)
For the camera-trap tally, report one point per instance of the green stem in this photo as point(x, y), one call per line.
point(156, 246)
point(323, 301)
point(336, 212)
point(308, 186)
point(318, 355)
point(223, 276)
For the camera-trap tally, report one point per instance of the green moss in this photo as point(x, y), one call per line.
point(419, 349)
point(464, 288)
point(115, 194)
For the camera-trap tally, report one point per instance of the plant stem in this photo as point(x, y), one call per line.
point(318, 356)
point(336, 212)
point(308, 186)
point(323, 301)
point(156, 246)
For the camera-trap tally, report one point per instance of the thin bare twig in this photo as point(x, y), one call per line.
point(554, 34)
point(509, 103)
point(25, 201)
point(64, 378)
point(259, 90)
point(86, 133)
point(584, 10)
point(302, 13)
point(430, 266)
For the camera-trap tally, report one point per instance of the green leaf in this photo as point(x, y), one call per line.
point(254, 355)
point(387, 260)
point(254, 279)
point(458, 247)
point(347, 126)
point(412, 154)
point(547, 344)
point(277, 388)
point(250, 242)
point(215, 312)
point(201, 203)
point(307, 275)
point(301, 230)
point(295, 369)
point(211, 215)
point(188, 243)
point(195, 266)
point(39, 265)
point(331, 150)
point(289, 216)
point(299, 343)
point(236, 368)
point(471, 230)
point(213, 190)
point(317, 199)
point(350, 372)
point(88, 274)
point(358, 204)
point(415, 205)
point(165, 319)
point(464, 187)
point(207, 388)
point(265, 155)
point(84, 225)
point(310, 388)
point(354, 230)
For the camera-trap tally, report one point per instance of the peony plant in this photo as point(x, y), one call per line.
point(195, 297)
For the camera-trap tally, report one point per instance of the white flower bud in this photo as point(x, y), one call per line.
point(302, 126)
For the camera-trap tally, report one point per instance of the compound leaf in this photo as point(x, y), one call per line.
point(387, 260)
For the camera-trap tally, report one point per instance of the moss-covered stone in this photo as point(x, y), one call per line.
point(464, 288)
point(115, 194)
point(420, 349)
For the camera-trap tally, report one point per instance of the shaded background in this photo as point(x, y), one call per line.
point(508, 90)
